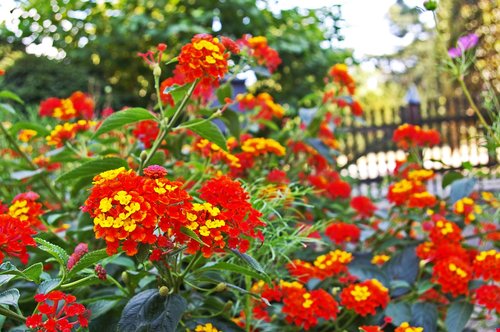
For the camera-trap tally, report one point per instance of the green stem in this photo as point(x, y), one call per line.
point(158, 94)
point(347, 323)
point(163, 134)
point(248, 304)
point(76, 283)
point(117, 284)
point(11, 314)
point(476, 110)
point(33, 166)
point(193, 261)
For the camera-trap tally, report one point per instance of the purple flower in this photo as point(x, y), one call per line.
point(463, 44)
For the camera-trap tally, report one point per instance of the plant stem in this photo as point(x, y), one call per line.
point(248, 304)
point(476, 110)
point(11, 314)
point(117, 284)
point(193, 261)
point(77, 282)
point(158, 94)
point(163, 134)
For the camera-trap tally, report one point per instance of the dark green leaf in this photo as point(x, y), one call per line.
point(57, 252)
point(193, 235)
point(149, 311)
point(99, 308)
point(399, 312)
point(7, 109)
point(92, 168)
point(4, 94)
point(424, 286)
point(10, 297)
point(211, 132)
point(424, 315)
point(87, 260)
point(403, 266)
point(231, 119)
point(249, 260)
point(450, 177)
point(41, 130)
point(33, 272)
point(223, 266)
point(121, 118)
point(223, 92)
point(21, 175)
point(48, 285)
point(461, 188)
point(458, 315)
point(177, 92)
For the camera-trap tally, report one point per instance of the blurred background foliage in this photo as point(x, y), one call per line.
point(97, 44)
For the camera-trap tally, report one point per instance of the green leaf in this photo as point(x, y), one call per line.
point(458, 315)
point(4, 94)
point(48, 285)
point(450, 177)
point(10, 297)
point(87, 260)
point(33, 272)
point(211, 132)
point(99, 308)
point(232, 121)
point(21, 175)
point(149, 311)
point(193, 235)
point(177, 92)
point(121, 118)
point(461, 188)
point(224, 266)
point(41, 130)
point(424, 286)
point(223, 92)
point(92, 168)
point(7, 109)
point(399, 312)
point(57, 252)
point(249, 260)
point(425, 315)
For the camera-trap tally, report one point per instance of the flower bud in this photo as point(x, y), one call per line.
point(125, 277)
point(227, 306)
point(430, 5)
point(164, 291)
point(157, 71)
point(220, 287)
point(143, 155)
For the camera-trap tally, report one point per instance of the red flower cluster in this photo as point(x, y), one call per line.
point(340, 74)
point(263, 146)
point(278, 176)
point(268, 109)
point(407, 136)
point(68, 131)
point(225, 219)
point(58, 317)
point(453, 274)
point(467, 208)
point(405, 327)
point(215, 153)
point(128, 207)
point(324, 266)
point(487, 265)
point(365, 297)
point(258, 48)
point(363, 206)
point(204, 58)
point(341, 232)
point(330, 183)
point(146, 131)
point(488, 296)
point(15, 235)
point(301, 307)
point(25, 208)
point(78, 105)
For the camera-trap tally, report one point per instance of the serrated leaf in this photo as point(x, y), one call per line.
point(122, 118)
point(211, 132)
point(5, 94)
point(193, 235)
point(33, 272)
point(450, 177)
point(53, 249)
point(461, 188)
point(249, 260)
point(458, 315)
point(87, 260)
point(48, 285)
point(149, 311)
point(399, 312)
point(424, 315)
point(224, 266)
point(92, 168)
point(10, 297)
point(41, 130)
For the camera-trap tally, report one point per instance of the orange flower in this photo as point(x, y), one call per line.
point(25, 135)
point(260, 146)
point(25, 208)
point(208, 327)
point(405, 327)
point(303, 271)
point(488, 296)
point(487, 265)
point(332, 263)
point(340, 74)
point(15, 235)
point(407, 136)
point(204, 58)
point(77, 105)
point(363, 206)
point(467, 208)
point(400, 192)
point(258, 48)
point(67, 131)
point(444, 231)
point(215, 153)
point(365, 297)
point(453, 274)
point(146, 131)
point(422, 200)
point(268, 109)
point(380, 259)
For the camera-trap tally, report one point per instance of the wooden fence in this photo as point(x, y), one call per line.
point(370, 154)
